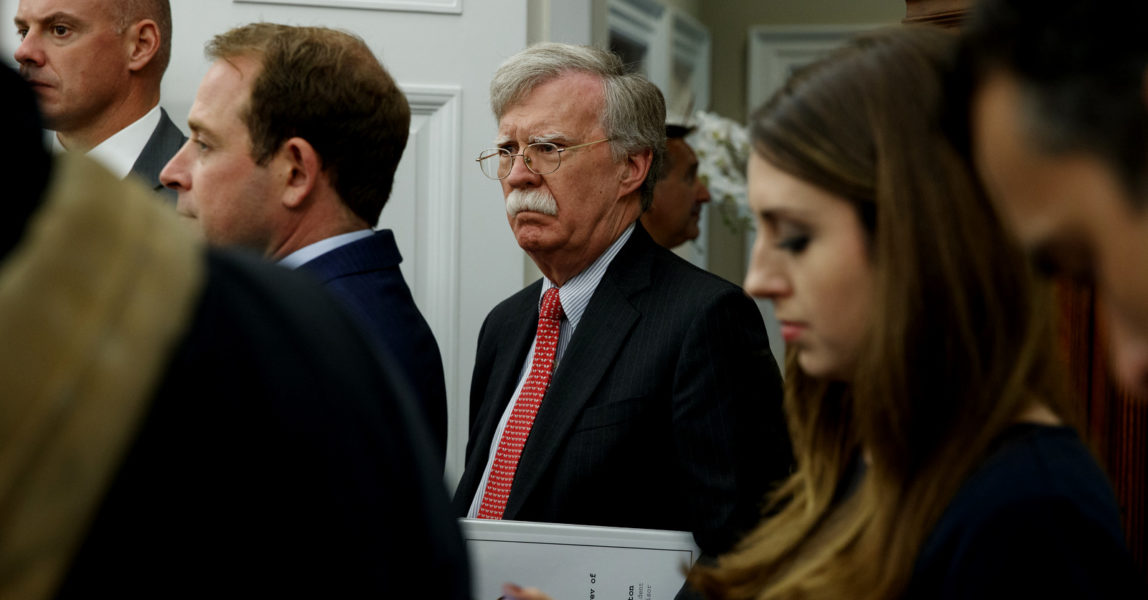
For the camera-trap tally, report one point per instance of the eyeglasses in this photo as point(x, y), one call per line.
point(542, 158)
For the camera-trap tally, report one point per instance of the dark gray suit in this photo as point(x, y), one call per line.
point(164, 142)
point(664, 412)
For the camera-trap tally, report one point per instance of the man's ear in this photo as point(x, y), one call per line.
point(302, 168)
point(143, 41)
point(637, 166)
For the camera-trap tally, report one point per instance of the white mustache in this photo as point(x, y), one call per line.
point(535, 200)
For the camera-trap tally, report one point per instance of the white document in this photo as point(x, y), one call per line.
point(577, 562)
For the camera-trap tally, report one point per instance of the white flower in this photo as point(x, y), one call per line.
point(723, 148)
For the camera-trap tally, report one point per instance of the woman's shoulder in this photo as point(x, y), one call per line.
point(1038, 514)
point(1031, 463)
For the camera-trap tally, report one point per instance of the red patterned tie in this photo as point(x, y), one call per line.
point(522, 417)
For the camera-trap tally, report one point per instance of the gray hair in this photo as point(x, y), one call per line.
point(635, 113)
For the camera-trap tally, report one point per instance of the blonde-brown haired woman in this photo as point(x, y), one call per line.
point(935, 456)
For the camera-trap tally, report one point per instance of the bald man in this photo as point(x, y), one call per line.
point(96, 68)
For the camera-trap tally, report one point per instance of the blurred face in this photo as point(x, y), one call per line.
point(217, 180)
point(585, 199)
point(672, 219)
point(811, 260)
point(73, 58)
point(1072, 214)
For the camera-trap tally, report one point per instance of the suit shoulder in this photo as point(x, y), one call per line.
point(511, 308)
point(690, 282)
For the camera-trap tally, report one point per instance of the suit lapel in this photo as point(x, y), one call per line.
point(520, 333)
point(601, 335)
point(163, 144)
point(514, 336)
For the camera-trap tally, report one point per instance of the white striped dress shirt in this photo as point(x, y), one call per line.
point(575, 296)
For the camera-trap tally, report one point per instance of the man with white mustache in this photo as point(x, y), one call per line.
point(626, 387)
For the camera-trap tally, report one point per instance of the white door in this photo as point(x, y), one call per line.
point(459, 256)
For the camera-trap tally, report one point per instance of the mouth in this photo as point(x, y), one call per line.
point(531, 212)
point(30, 78)
point(182, 209)
point(792, 330)
point(528, 219)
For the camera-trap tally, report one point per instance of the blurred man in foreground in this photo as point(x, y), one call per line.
point(1059, 132)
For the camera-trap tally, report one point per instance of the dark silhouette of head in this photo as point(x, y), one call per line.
point(24, 154)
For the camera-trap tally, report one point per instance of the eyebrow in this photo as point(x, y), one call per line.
point(773, 215)
point(50, 18)
point(549, 137)
point(534, 139)
point(198, 128)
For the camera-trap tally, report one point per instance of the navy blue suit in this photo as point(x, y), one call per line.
point(365, 275)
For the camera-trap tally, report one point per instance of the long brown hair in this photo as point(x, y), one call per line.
point(961, 342)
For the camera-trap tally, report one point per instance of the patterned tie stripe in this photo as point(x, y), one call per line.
point(522, 416)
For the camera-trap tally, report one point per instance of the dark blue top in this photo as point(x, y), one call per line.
point(1036, 520)
point(365, 276)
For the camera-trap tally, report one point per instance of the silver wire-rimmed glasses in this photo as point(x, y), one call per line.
point(542, 158)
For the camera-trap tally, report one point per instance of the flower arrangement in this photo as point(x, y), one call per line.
point(723, 148)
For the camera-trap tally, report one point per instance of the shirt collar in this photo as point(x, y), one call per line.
point(575, 294)
point(310, 252)
point(119, 152)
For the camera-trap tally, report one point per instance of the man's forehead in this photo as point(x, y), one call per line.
point(37, 10)
point(564, 103)
point(224, 93)
point(681, 148)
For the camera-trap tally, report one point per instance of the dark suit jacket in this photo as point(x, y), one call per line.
point(365, 275)
point(280, 458)
point(664, 412)
point(163, 144)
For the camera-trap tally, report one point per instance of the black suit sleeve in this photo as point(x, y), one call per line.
point(730, 436)
point(280, 458)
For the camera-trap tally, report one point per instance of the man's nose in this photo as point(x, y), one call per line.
point(1129, 353)
point(703, 193)
point(29, 51)
point(175, 174)
point(520, 175)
